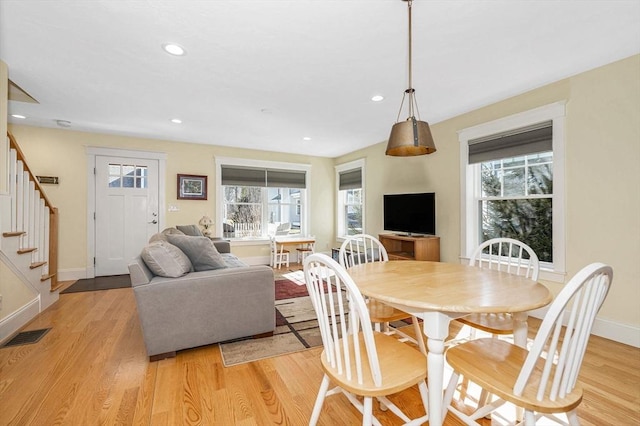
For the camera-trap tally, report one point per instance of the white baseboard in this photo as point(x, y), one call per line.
point(16, 320)
point(621, 333)
point(256, 260)
point(72, 274)
point(617, 332)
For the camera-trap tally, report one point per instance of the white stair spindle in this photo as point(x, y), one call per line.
point(31, 217)
point(13, 167)
point(20, 196)
point(45, 246)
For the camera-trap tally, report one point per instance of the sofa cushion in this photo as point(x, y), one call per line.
point(200, 251)
point(162, 236)
point(165, 260)
point(232, 261)
point(192, 230)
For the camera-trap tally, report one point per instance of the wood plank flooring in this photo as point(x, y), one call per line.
point(91, 369)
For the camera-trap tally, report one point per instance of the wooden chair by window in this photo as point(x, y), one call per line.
point(363, 248)
point(508, 255)
point(542, 380)
point(279, 255)
point(305, 251)
point(361, 363)
point(502, 254)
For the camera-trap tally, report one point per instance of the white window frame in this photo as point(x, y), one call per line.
point(341, 226)
point(469, 182)
point(232, 161)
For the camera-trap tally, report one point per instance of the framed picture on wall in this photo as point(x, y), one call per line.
point(192, 187)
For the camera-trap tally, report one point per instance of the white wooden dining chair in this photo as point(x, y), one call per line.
point(363, 248)
point(279, 254)
point(507, 255)
point(361, 363)
point(542, 380)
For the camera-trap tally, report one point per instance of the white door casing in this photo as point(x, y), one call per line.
point(124, 215)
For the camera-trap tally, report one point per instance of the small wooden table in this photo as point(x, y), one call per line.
point(440, 292)
point(306, 243)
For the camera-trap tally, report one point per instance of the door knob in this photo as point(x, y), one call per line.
point(154, 221)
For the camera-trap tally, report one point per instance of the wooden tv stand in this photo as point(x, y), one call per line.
point(401, 247)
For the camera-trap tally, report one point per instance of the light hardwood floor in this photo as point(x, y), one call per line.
point(91, 368)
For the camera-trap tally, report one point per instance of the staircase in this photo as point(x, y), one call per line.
point(29, 226)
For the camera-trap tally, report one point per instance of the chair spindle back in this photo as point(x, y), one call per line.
point(344, 324)
point(574, 309)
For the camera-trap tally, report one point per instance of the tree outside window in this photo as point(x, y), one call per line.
point(516, 201)
point(353, 210)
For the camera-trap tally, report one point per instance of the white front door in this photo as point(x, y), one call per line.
point(126, 213)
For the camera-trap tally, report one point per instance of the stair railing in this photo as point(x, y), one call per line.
point(33, 217)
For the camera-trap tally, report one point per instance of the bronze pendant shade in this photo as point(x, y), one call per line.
point(409, 138)
point(412, 136)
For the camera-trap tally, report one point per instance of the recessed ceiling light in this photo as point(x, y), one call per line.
point(306, 138)
point(377, 98)
point(21, 117)
point(176, 121)
point(174, 49)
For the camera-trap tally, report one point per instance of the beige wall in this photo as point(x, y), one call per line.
point(602, 176)
point(15, 294)
point(41, 145)
point(602, 156)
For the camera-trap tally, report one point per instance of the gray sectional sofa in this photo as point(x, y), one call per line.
point(198, 307)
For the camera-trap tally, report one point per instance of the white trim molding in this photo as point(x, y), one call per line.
point(602, 327)
point(18, 319)
point(246, 162)
point(339, 219)
point(554, 112)
point(92, 152)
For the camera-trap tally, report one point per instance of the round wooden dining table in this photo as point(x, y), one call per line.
point(439, 292)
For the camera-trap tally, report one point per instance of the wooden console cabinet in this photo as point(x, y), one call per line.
point(411, 248)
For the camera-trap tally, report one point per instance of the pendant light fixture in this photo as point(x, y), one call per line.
point(412, 136)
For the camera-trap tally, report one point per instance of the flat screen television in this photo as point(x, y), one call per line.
point(410, 213)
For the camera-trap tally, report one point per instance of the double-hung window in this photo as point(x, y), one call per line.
point(350, 182)
point(512, 184)
point(259, 198)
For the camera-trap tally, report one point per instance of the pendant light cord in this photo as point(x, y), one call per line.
point(410, 91)
point(410, 56)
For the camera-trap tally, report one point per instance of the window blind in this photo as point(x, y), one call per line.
point(272, 178)
point(286, 179)
point(350, 179)
point(523, 141)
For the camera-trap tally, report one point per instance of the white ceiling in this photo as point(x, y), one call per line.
point(265, 74)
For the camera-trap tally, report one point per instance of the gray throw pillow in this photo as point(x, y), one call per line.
point(200, 251)
point(192, 230)
point(165, 260)
point(163, 235)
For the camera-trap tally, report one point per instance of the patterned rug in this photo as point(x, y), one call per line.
point(296, 328)
point(296, 325)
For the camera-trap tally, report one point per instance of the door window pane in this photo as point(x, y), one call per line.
point(127, 176)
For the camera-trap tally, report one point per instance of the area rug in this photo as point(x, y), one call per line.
point(99, 283)
point(296, 328)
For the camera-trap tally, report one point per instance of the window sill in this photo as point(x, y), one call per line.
point(250, 241)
